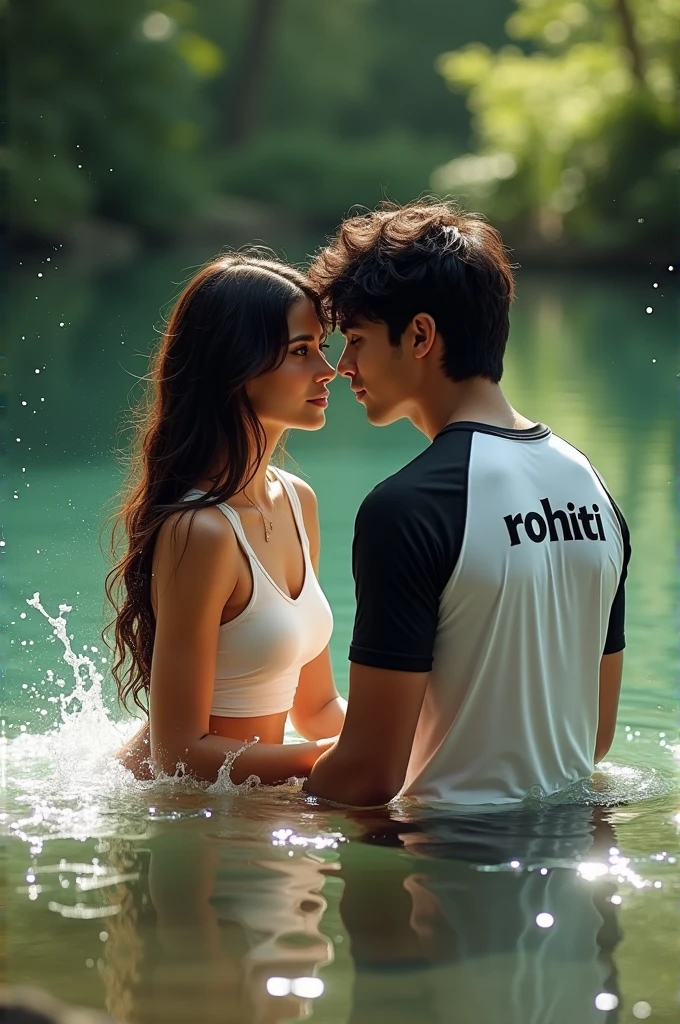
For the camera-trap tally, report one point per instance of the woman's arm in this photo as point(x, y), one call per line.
point(318, 710)
point(196, 573)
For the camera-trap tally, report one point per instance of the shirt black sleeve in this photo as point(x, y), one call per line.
point(400, 568)
point(616, 635)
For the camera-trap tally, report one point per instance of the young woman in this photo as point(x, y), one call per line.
point(221, 627)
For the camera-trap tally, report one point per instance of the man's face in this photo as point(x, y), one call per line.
point(377, 371)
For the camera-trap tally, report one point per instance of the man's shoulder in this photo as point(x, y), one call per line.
point(449, 448)
point(397, 494)
point(421, 488)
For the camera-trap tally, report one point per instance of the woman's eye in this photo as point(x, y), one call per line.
point(303, 350)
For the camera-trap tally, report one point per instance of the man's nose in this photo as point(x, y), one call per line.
point(346, 365)
point(327, 371)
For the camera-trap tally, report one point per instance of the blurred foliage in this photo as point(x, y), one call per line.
point(310, 176)
point(144, 111)
point(577, 132)
point(141, 111)
point(105, 115)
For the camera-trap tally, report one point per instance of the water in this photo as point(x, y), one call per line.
point(174, 902)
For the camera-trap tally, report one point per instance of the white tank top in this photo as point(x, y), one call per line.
point(261, 651)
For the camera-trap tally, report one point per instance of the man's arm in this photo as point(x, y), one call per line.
point(611, 670)
point(611, 664)
point(367, 766)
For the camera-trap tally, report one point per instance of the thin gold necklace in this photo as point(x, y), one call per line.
point(267, 523)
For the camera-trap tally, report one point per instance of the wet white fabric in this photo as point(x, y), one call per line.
point(261, 651)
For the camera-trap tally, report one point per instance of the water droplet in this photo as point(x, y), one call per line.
point(670, 268)
point(606, 1001)
point(62, 324)
point(649, 309)
point(37, 371)
point(24, 403)
point(39, 275)
point(655, 285)
point(642, 1010)
point(545, 920)
point(641, 220)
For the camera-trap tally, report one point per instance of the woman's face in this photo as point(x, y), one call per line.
point(295, 393)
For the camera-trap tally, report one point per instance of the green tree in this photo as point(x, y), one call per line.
point(105, 113)
point(576, 133)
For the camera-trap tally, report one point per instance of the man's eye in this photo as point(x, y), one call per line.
point(353, 341)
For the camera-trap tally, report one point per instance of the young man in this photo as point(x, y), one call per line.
point(488, 641)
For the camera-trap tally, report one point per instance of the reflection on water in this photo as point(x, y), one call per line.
point(502, 916)
point(467, 944)
point(170, 901)
point(201, 931)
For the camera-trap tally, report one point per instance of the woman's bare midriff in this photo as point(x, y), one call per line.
point(269, 728)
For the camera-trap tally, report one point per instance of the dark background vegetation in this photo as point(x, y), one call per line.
point(138, 123)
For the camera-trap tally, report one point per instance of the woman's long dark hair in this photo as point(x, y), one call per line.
point(228, 326)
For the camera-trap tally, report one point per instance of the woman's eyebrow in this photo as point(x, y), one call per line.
point(305, 337)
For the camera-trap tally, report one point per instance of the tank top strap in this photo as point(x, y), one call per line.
point(295, 504)
point(232, 515)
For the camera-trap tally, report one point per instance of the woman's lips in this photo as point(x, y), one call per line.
point(321, 402)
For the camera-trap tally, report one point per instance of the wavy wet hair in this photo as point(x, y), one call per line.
point(228, 326)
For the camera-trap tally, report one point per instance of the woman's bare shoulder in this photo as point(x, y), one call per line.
point(305, 493)
point(204, 534)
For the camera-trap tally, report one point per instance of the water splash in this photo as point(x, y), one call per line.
point(68, 783)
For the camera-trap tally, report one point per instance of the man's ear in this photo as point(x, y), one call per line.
point(423, 331)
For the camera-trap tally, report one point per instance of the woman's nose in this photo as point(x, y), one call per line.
point(328, 371)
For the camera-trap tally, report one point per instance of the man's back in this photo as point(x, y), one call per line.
point(502, 573)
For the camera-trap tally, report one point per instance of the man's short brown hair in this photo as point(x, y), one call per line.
point(426, 257)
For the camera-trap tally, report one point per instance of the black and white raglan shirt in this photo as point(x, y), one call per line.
point(495, 561)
